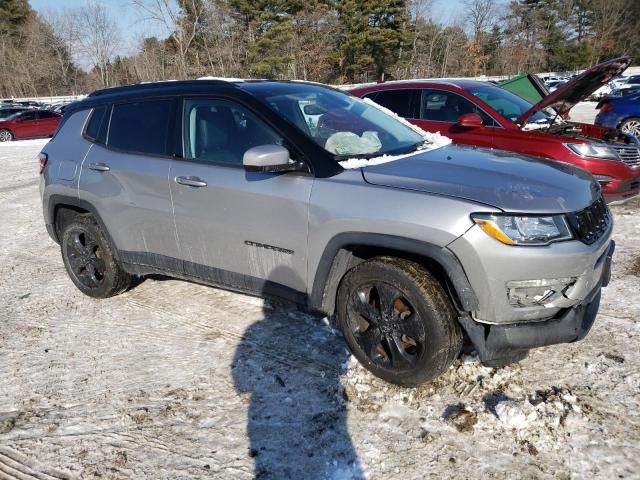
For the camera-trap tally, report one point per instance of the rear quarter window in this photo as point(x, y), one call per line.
point(141, 127)
point(95, 123)
point(401, 101)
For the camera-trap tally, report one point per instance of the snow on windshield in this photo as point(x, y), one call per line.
point(369, 142)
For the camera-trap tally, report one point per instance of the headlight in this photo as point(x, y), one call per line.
point(593, 150)
point(523, 230)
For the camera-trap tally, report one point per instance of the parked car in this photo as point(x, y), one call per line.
point(621, 113)
point(360, 214)
point(628, 86)
point(477, 113)
point(6, 112)
point(553, 85)
point(29, 124)
point(63, 108)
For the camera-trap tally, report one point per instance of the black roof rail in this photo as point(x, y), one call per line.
point(155, 85)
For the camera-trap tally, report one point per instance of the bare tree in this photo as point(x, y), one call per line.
point(66, 44)
point(480, 15)
point(183, 28)
point(98, 37)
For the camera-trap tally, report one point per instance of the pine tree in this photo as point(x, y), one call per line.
point(269, 23)
point(13, 13)
point(375, 32)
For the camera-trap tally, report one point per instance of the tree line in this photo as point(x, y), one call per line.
point(330, 41)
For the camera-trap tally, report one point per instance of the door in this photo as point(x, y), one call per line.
point(440, 110)
point(125, 177)
point(26, 125)
point(48, 122)
point(235, 227)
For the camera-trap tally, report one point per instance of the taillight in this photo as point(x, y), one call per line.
point(606, 107)
point(44, 158)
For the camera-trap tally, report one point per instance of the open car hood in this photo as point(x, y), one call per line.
point(578, 88)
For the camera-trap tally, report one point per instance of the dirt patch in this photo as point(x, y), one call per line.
point(460, 417)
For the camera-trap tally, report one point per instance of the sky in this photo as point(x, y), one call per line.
point(134, 27)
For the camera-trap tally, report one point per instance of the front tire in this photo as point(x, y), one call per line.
point(89, 261)
point(631, 126)
point(5, 135)
point(398, 321)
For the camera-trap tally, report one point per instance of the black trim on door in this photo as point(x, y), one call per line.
point(145, 263)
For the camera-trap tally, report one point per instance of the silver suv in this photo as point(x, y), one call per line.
point(302, 192)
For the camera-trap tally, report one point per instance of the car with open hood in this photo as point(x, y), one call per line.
point(482, 114)
point(302, 192)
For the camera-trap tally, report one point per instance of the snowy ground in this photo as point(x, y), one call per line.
point(175, 380)
point(584, 112)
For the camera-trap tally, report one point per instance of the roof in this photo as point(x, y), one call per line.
point(188, 87)
point(452, 82)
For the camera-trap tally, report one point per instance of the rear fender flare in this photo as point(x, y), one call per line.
point(61, 201)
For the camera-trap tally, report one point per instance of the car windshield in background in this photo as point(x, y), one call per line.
point(342, 124)
point(507, 104)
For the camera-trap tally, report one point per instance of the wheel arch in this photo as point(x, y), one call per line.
point(624, 119)
point(347, 250)
point(62, 207)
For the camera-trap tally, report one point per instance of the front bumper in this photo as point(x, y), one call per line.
point(572, 324)
point(493, 267)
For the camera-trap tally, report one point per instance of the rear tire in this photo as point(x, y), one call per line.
point(398, 321)
point(89, 260)
point(5, 135)
point(631, 126)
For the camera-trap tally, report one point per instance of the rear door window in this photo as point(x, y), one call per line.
point(141, 127)
point(43, 115)
point(401, 102)
point(28, 116)
point(445, 106)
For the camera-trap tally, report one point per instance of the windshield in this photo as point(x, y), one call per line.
point(507, 104)
point(342, 124)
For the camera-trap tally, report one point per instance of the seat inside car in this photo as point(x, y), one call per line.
point(213, 132)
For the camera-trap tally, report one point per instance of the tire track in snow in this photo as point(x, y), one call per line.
point(14, 465)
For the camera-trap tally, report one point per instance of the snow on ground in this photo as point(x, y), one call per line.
point(584, 112)
point(175, 380)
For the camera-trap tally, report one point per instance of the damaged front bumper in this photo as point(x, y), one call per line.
point(569, 325)
point(521, 284)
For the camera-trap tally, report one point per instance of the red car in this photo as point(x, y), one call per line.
point(29, 124)
point(482, 114)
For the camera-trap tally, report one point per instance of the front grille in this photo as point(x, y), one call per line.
point(629, 155)
point(592, 222)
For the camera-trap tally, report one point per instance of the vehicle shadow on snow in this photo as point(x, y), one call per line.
point(297, 421)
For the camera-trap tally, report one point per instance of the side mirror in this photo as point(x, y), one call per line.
point(269, 158)
point(470, 120)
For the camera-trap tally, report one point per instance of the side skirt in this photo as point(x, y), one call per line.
point(143, 263)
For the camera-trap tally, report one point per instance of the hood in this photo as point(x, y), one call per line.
point(579, 88)
point(496, 178)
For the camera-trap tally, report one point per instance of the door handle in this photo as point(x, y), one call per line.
point(99, 167)
point(191, 181)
